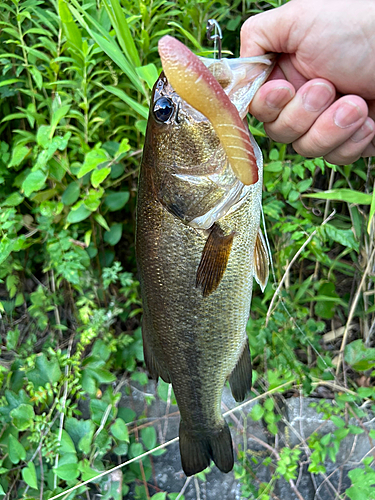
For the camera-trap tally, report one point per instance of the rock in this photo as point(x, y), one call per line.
point(299, 422)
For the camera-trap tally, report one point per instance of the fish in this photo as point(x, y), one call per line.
point(198, 247)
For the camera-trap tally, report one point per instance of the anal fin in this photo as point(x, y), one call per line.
point(261, 261)
point(214, 260)
point(153, 366)
point(241, 377)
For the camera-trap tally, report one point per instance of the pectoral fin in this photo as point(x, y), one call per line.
point(261, 261)
point(214, 260)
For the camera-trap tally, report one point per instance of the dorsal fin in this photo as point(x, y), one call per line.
point(261, 261)
point(214, 260)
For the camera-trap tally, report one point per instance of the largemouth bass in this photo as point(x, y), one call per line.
point(199, 247)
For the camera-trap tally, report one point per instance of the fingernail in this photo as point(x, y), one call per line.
point(366, 129)
point(278, 97)
point(347, 114)
point(317, 97)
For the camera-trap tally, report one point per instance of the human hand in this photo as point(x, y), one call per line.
point(321, 95)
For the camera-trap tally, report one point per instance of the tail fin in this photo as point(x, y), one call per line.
point(197, 449)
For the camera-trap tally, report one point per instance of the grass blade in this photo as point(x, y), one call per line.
point(372, 210)
point(347, 195)
point(138, 108)
point(123, 33)
point(108, 45)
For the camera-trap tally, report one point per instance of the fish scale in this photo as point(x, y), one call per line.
point(194, 328)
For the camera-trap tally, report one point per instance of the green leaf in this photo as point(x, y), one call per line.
point(6, 247)
point(120, 430)
point(148, 435)
point(138, 108)
point(71, 193)
point(257, 412)
point(341, 433)
point(101, 220)
point(86, 470)
point(67, 472)
point(13, 200)
point(45, 371)
point(343, 236)
point(107, 44)
point(66, 444)
point(103, 376)
point(162, 495)
point(71, 31)
point(97, 410)
point(15, 450)
point(173, 496)
point(136, 449)
point(274, 154)
point(37, 75)
point(78, 215)
point(93, 199)
point(77, 429)
point(22, 417)
point(123, 32)
point(188, 35)
point(124, 147)
point(116, 200)
point(358, 356)
point(98, 176)
point(34, 182)
point(92, 160)
point(272, 428)
point(355, 430)
point(347, 195)
point(29, 475)
point(339, 422)
point(58, 115)
point(326, 301)
point(275, 167)
point(113, 236)
point(372, 210)
point(121, 449)
point(84, 444)
point(9, 82)
point(269, 404)
point(43, 136)
point(12, 338)
point(19, 153)
point(149, 74)
point(163, 389)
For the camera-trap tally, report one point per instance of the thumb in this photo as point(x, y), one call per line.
point(269, 31)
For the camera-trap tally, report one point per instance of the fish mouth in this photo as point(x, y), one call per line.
point(221, 91)
point(241, 78)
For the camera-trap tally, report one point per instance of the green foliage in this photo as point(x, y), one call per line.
point(363, 482)
point(75, 84)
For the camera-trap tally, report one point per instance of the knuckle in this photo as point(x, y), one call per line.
point(314, 144)
point(338, 158)
point(283, 132)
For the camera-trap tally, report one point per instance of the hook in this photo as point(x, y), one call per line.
point(212, 24)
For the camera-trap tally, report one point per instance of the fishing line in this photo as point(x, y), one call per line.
point(281, 299)
point(164, 445)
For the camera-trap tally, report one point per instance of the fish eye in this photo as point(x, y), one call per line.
point(163, 109)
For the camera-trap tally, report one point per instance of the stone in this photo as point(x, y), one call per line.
point(299, 421)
